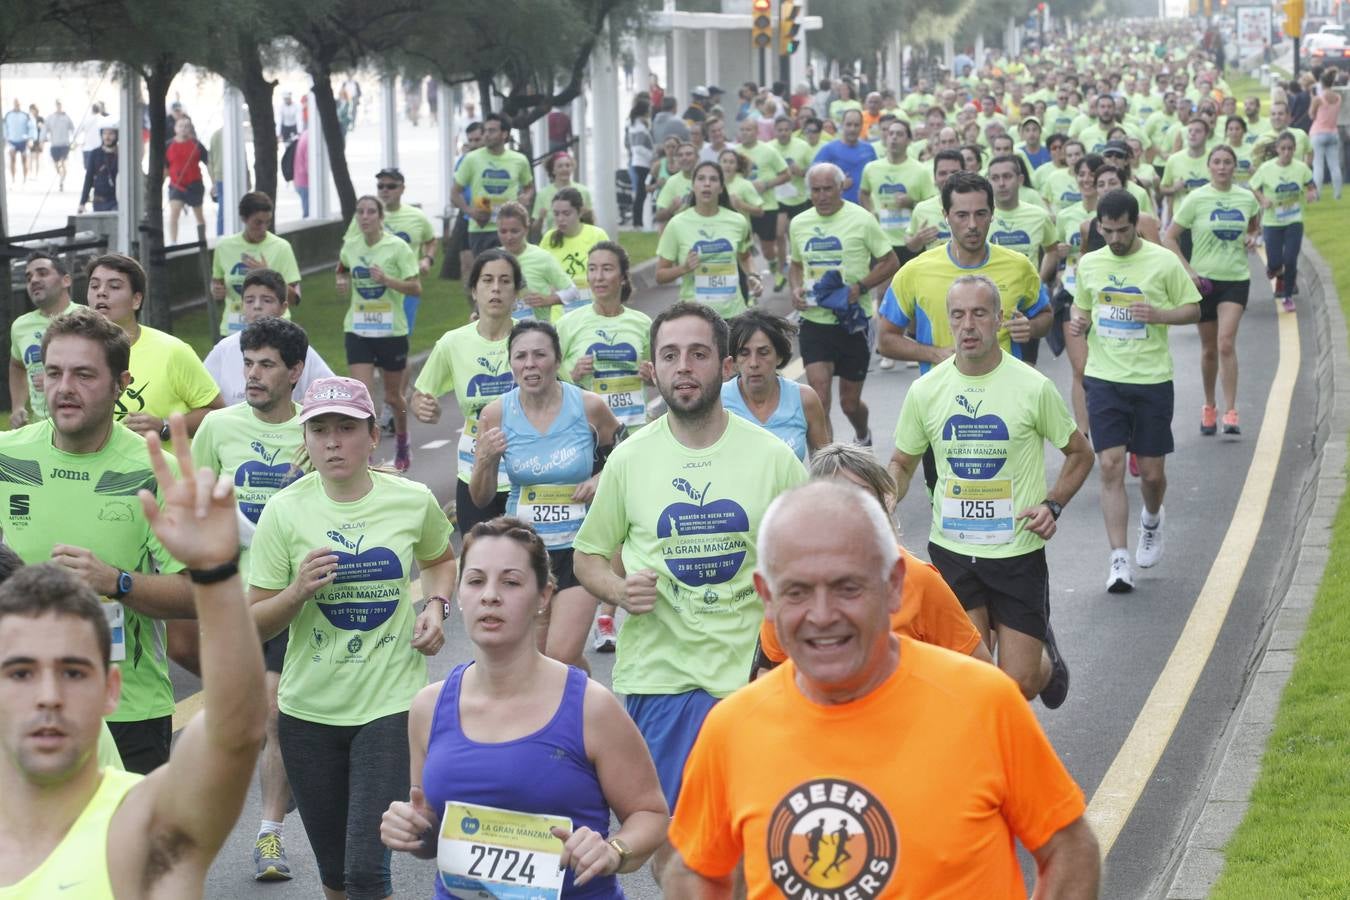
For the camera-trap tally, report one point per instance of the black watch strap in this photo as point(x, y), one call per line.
point(215, 574)
point(1055, 507)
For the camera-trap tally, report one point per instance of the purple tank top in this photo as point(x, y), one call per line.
point(543, 773)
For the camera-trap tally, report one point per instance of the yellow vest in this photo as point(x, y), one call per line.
point(77, 869)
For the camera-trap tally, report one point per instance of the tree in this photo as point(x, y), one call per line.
point(859, 29)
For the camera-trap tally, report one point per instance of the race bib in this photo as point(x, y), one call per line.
point(1070, 277)
point(468, 446)
point(894, 219)
point(1287, 209)
point(1115, 320)
point(715, 282)
point(552, 511)
point(373, 320)
point(112, 611)
point(785, 191)
point(497, 854)
point(234, 320)
point(626, 398)
point(978, 512)
point(583, 299)
point(523, 310)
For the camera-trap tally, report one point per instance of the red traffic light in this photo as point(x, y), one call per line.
point(1040, 7)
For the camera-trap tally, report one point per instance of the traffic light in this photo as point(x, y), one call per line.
point(789, 26)
point(1293, 18)
point(761, 26)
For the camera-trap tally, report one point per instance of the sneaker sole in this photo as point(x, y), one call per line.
point(1209, 429)
point(1119, 587)
point(1232, 429)
point(272, 874)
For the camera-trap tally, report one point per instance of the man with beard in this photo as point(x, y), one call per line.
point(49, 289)
point(684, 497)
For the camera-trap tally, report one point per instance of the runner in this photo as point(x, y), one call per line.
point(928, 223)
point(254, 444)
point(331, 560)
point(549, 439)
point(570, 243)
point(470, 362)
point(110, 546)
point(1223, 222)
point(251, 249)
point(1280, 185)
point(1186, 170)
point(1117, 153)
point(755, 784)
point(707, 247)
point(768, 172)
point(674, 195)
point(1059, 187)
point(547, 286)
point(849, 153)
point(496, 733)
point(792, 195)
point(409, 223)
point(986, 417)
point(1021, 226)
point(72, 828)
point(684, 497)
point(929, 611)
point(48, 285)
point(560, 168)
point(492, 174)
point(1130, 292)
point(375, 271)
point(761, 344)
point(893, 186)
point(264, 296)
point(735, 171)
point(839, 252)
point(1112, 176)
point(1235, 135)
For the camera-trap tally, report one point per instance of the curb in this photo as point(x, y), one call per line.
point(1237, 765)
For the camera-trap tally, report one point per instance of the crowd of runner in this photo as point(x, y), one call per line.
point(785, 665)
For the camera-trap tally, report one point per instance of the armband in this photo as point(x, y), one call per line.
point(569, 294)
point(602, 453)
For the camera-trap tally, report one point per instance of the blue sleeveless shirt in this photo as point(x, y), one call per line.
point(788, 420)
point(544, 468)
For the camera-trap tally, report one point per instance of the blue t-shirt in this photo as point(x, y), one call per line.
point(851, 160)
point(788, 420)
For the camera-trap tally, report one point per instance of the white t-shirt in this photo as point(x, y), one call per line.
point(225, 362)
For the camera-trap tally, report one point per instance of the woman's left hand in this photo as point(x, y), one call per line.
point(589, 855)
point(585, 491)
point(428, 637)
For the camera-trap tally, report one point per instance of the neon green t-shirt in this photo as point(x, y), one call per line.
point(1060, 190)
point(572, 255)
point(493, 180)
point(847, 241)
point(1119, 348)
point(1283, 187)
point(677, 185)
point(692, 517)
point(376, 310)
point(89, 500)
point(1059, 120)
point(793, 191)
point(1026, 229)
point(839, 107)
point(1191, 171)
point(617, 345)
point(258, 456)
point(765, 163)
point(476, 371)
point(886, 182)
point(349, 661)
point(25, 348)
point(543, 275)
point(228, 264)
point(719, 239)
point(1218, 223)
point(1066, 225)
point(166, 377)
point(543, 203)
point(988, 437)
point(740, 188)
point(929, 213)
point(1302, 143)
point(407, 223)
point(1245, 169)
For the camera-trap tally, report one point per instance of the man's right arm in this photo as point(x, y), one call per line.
point(1069, 865)
point(902, 468)
point(18, 393)
point(682, 882)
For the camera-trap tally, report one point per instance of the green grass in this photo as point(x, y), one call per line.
point(444, 307)
point(1296, 836)
point(641, 245)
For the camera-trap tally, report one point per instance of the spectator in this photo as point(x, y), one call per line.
point(641, 148)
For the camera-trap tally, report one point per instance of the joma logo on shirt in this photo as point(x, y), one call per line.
point(68, 474)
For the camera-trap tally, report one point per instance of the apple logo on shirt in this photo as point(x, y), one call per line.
point(703, 541)
point(1008, 235)
point(262, 474)
point(491, 383)
point(1193, 183)
point(972, 429)
point(370, 290)
point(371, 601)
point(612, 357)
point(239, 270)
point(1225, 215)
point(496, 181)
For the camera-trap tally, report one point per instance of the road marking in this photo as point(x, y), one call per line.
point(1134, 764)
point(434, 445)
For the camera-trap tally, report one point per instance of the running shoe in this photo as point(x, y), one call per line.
point(1121, 579)
point(1209, 420)
point(1150, 548)
point(269, 859)
point(1279, 285)
point(604, 634)
point(1056, 690)
point(387, 425)
point(1134, 464)
point(403, 458)
point(1230, 422)
point(864, 441)
point(1287, 303)
point(886, 364)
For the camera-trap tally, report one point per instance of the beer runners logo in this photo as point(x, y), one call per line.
point(831, 838)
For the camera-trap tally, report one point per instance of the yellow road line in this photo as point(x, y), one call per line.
point(1133, 766)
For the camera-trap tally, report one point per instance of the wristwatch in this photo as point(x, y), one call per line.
point(445, 605)
point(164, 431)
point(123, 585)
point(623, 851)
point(1054, 506)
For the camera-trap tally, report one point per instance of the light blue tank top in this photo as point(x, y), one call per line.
point(545, 468)
point(788, 420)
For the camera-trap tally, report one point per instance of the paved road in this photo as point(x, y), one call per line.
point(1116, 645)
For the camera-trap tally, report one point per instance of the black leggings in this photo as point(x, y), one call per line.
point(639, 194)
point(344, 777)
point(468, 514)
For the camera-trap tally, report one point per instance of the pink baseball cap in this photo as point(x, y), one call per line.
point(345, 396)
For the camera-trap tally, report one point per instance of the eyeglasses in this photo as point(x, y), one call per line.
point(389, 186)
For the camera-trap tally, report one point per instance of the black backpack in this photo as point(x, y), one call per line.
point(288, 162)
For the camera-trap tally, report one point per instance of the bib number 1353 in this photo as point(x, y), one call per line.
point(499, 854)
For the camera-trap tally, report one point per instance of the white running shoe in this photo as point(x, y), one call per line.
point(886, 364)
point(1121, 579)
point(1150, 548)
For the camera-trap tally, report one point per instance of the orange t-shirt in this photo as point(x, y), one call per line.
point(929, 612)
point(914, 791)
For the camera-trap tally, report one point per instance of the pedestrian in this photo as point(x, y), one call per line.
point(706, 247)
point(798, 778)
point(91, 131)
point(38, 135)
point(255, 247)
point(18, 127)
point(530, 738)
point(288, 118)
point(1326, 138)
point(300, 172)
point(183, 161)
point(638, 139)
point(100, 171)
point(1280, 185)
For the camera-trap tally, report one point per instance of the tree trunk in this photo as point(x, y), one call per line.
point(257, 91)
point(333, 137)
point(155, 309)
point(484, 94)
